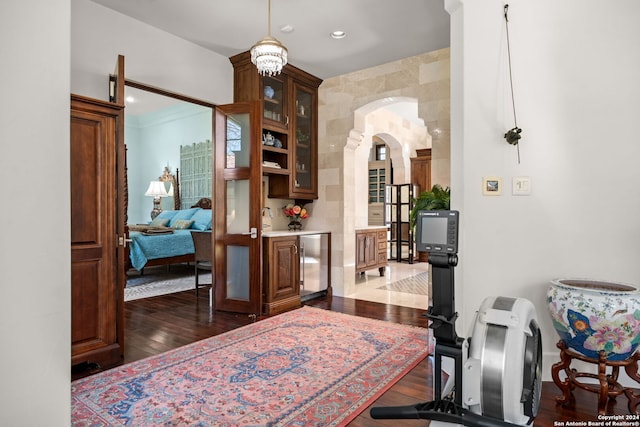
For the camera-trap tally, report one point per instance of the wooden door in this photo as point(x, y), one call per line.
point(421, 170)
point(237, 220)
point(366, 249)
point(281, 274)
point(96, 299)
point(116, 97)
point(372, 248)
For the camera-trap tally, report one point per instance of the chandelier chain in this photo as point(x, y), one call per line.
point(269, 21)
point(269, 55)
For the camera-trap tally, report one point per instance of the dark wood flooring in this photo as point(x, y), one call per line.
point(158, 324)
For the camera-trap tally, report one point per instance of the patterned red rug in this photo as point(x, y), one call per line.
point(307, 367)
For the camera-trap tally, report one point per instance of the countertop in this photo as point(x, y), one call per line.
point(280, 233)
point(371, 227)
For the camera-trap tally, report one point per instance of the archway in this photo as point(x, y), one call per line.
point(395, 121)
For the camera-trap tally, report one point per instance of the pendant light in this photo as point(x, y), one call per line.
point(269, 55)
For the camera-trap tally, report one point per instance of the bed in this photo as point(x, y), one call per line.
point(167, 239)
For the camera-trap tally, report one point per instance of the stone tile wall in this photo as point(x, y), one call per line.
point(349, 115)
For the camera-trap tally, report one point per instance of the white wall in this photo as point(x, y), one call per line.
point(576, 74)
point(152, 56)
point(34, 247)
point(153, 142)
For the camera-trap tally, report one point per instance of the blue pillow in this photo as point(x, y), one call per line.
point(166, 215)
point(183, 214)
point(202, 220)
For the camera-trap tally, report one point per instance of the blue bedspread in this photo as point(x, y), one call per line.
point(144, 248)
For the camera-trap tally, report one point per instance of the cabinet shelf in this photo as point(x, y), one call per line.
point(274, 171)
point(274, 149)
point(271, 101)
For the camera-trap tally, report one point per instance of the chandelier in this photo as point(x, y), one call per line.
point(269, 55)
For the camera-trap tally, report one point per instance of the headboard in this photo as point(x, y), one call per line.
point(204, 203)
point(175, 182)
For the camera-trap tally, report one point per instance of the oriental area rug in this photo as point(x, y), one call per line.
point(307, 367)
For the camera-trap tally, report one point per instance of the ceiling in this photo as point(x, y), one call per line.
point(377, 31)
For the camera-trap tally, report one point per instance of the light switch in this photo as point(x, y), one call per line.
point(521, 186)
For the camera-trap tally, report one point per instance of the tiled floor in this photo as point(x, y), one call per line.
point(367, 285)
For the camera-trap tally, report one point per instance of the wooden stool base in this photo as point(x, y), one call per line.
point(608, 387)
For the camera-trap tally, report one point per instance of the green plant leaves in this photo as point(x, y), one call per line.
point(436, 199)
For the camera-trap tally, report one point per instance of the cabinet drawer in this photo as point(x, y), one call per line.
point(382, 236)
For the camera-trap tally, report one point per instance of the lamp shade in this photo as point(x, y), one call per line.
point(156, 189)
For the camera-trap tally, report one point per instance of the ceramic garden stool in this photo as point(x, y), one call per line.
point(599, 323)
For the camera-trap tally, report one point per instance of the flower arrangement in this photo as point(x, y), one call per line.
point(295, 212)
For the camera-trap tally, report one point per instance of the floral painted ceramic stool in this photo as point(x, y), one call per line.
point(598, 322)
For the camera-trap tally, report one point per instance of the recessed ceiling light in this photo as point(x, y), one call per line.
point(338, 34)
point(130, 99)
point(287, 29)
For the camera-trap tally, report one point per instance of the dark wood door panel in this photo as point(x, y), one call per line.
point(286, 262)
point(84, 285)
point(85, 188)
point(95, 298)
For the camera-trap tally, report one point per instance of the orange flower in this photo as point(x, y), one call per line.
point(295, 211)
point(580, 325)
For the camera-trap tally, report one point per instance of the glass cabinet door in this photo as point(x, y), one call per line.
point(275, 98)
point(304, 164)
point(377, 183)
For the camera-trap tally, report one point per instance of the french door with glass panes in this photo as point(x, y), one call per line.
point(237, 195)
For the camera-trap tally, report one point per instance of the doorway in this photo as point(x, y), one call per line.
point(162, 131)
point(394, 122)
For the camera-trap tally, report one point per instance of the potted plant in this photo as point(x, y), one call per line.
point(436, 199)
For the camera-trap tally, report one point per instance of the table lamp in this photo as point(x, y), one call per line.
point(156, 190)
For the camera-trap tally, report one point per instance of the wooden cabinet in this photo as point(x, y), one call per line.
point(421, 176)
point(281, 274)
point(96, 299)
point(377, 180)
point(289, 125)
point(371, 249)
point(421, 170)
